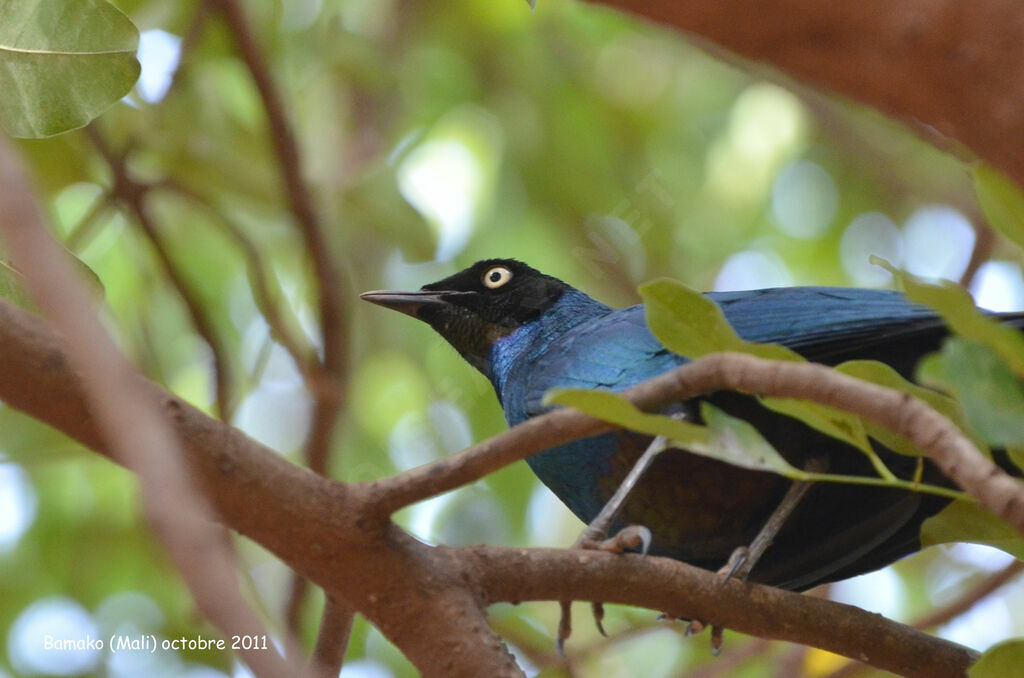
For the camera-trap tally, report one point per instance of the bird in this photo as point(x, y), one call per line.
point(528, 333)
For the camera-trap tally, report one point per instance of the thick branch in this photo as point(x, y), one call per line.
point(663, 583)
point(954, 66)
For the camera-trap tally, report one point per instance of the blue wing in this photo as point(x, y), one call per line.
point(825, 324)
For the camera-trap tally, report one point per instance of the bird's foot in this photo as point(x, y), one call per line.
point(630, 537)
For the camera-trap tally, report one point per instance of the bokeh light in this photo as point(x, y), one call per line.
point(999, 286)
point(751, 270)
point(879, 591)
point(804, 199)
point(158, 55)
point(937, 242)
point(57, 618)
point(448, 176)
point(18, 504)
point(766, 125)
point(870, 233)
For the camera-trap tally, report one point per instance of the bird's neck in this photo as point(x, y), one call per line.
point(533, 338)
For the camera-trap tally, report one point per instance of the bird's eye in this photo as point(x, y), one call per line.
point(496, 277)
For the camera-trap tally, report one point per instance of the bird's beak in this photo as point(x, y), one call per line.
point(409, 303)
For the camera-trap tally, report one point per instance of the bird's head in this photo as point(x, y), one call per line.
point(476, 307)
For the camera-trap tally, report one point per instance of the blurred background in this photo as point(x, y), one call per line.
point(598, 149)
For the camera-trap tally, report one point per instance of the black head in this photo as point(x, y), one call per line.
point(477, 306)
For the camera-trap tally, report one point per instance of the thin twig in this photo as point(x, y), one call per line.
point(790, 663)
point(132, 194)
point(332, 640)
point(265, 290)
point(136, 432)
point(331, 286)
point(970, 598)
point(188, 46)
point(80, 234)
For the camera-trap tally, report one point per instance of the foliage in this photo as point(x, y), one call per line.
point(62, 63)
point(1001, 200)
point(599, 149)
point(1002, 660)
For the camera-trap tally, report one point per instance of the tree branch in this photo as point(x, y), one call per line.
point(682, 590)
point(265, 289)
point(331, 286)
point(332, 640)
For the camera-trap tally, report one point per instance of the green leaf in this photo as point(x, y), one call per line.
point(828, 420)
point(30, 442)
point(967, 521)
point(991, 397)
point(12, 287)
point(1000, 661)
point(12, 281)
point(688, 323)
point(1001, 200)
point(614, 408)
point(692, 325)
point(957, 308)
point(62, 63)
point(737, 442)
point(726, 438)
point(879, 373)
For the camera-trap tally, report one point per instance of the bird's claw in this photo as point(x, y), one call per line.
point(564, 626)
point(598, 610)
point(717, 634)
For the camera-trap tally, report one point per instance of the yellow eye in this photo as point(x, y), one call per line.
point(496, 277)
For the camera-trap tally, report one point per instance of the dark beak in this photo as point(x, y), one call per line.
point(409, 303)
